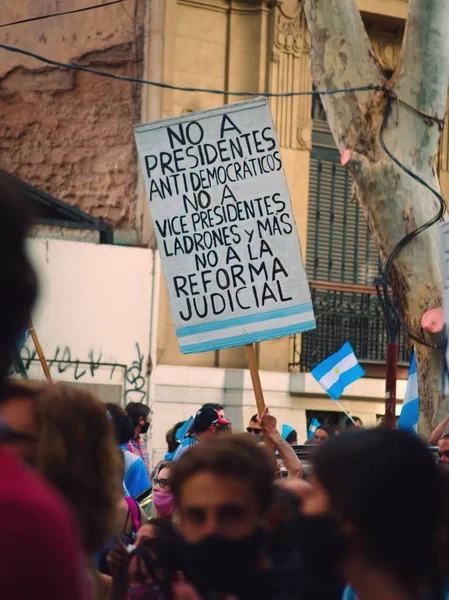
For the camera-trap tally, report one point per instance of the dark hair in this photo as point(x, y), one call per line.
point(254, 418)
point(292, 437)
point(213, 405)
point(170, 436)
point(124, 428)
point(350, 422)
point(445, 436)
point(137, 411)
point(17, 276)
point(331, 430)
point(236, 456)
point(162, 558)
point(380, 480)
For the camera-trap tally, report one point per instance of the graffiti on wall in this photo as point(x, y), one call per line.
point(62, 360)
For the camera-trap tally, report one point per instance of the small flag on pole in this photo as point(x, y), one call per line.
point(338, 371)
point(314, 424)
point(410, 409)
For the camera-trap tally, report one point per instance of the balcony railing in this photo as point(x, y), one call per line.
point(343, 313)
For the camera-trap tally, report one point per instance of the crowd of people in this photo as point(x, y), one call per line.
point(219, 521)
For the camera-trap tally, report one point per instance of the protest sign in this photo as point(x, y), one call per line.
point(225, 228)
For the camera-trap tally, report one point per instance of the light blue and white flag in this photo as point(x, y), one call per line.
point(314, 424)
point(338, 371)
point(410, 409)
point(184, 429)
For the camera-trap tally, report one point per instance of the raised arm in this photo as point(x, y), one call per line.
point(291, 461)
point(438, 432)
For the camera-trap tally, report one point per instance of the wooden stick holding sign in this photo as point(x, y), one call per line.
point(255, 378)
point(39, 351)
point(225, 229)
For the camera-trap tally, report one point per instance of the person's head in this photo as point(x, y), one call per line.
point(159, 556)
point(324, 433)
point(222, 487)
point(140, 415)
point(218, 407)
point(170, 437)
point(292, 437)
point(164, 503)
point(254, 426)
point(208, 422)
point(123, 427)
point(17, 417)
point(77, 453)
point(354, 422)
point(374, 483)
point(17, 277)
point(443, 448)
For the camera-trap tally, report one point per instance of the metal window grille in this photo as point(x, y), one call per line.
point(340, 252)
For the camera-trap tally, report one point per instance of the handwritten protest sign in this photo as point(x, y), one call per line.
point(225, 228)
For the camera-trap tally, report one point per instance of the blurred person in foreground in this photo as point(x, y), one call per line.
point(41, 555)
point(140, 415)
point(224, 492)
point(148, 570)
point(207, 423)
point(379, 523)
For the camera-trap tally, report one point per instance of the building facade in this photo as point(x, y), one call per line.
point(70, 134)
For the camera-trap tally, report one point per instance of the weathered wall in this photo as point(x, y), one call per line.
point(70, 133)
point(93, 316)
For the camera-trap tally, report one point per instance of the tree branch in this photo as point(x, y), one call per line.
point(422, 75)
point(341, 56)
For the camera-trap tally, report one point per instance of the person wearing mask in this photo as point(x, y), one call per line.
point(163, 498)
point(135, 474)
point(224, 491)
point(207, 422)
point(39, 546)
point(140, 415)
point(324, 433)
point(381, 552)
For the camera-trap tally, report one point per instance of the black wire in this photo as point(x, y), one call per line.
point(73, 67)
point(67, 12)
point(410, 236)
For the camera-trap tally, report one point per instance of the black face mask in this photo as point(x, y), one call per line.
point(219, 565)
point(144, 428)
point(320, 542)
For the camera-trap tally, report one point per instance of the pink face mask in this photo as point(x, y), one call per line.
point(164, 502)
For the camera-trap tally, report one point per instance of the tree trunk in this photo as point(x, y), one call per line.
point(393, 203)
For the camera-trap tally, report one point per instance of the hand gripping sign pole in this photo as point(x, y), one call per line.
point(225, 229)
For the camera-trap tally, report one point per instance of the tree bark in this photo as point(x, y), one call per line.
point(393, 203)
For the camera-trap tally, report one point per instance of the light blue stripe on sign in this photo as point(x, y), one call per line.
point(248, 338)
point(298, 309)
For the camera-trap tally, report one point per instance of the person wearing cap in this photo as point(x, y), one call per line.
point(207, 422)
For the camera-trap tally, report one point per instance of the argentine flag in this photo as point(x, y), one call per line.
point(338, 371)
point(410, 409)
point(314, 424)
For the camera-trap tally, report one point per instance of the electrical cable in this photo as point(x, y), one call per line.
point(66, 12)
point(168, 86)
point(410, 236)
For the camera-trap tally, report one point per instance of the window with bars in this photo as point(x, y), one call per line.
point(340, 256)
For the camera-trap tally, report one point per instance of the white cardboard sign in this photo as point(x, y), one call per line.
point(225, 229)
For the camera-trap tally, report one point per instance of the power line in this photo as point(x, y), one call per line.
point(67, 12)
point(168, 86)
